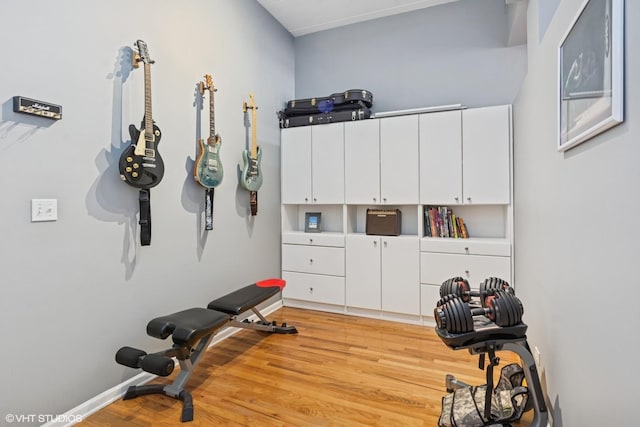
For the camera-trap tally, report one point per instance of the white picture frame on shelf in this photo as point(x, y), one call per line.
point(591, 73)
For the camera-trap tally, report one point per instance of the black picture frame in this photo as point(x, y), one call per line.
point(312, 222)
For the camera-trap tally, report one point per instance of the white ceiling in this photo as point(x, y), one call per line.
point(302, 17)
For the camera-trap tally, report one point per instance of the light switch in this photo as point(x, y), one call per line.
point(44, 210)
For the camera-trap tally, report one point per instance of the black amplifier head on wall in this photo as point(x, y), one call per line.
point(37, 108)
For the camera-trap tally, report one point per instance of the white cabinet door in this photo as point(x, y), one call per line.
point(362, 162)
point(401, 275)
point(327, 163)
point(314, 287)
point(441, 158)
point(313, 259)
point(436, 268)
point(295, 175)
point(399, 160)
point(362, 278)
point(486, 136)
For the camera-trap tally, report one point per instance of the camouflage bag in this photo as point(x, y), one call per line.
point(464, 407)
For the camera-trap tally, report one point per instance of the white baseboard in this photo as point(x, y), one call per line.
point(82, 411)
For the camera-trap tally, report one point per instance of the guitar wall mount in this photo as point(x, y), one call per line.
point(37, 108)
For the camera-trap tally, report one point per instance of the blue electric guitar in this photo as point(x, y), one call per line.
point(251, 179)
point(207, 170)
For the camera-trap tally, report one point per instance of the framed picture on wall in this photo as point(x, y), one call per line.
point(591, 74)
point(312, 222)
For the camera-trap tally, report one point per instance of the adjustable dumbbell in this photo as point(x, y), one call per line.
point(460, 287)
point(502, 307)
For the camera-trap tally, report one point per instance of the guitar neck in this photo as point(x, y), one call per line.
point(254, 134)
point(148, 118)
point(212, 122)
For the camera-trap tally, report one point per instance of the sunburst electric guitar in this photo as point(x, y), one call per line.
point(140, 164)
point(208, 170)
point(251, 179)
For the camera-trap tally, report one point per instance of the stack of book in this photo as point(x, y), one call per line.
point(440, 221)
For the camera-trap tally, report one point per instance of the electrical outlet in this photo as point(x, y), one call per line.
point(44, 210)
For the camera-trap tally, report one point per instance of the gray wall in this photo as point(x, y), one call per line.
point(75, 290)
point(455, 53)
point(577, 238)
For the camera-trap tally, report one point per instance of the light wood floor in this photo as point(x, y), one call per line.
point(337, 371)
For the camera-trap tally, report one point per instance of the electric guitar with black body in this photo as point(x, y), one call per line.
point(140, 164)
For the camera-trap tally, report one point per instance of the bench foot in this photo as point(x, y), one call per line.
point(184, 396)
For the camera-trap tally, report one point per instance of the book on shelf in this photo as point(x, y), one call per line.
point(441, 221)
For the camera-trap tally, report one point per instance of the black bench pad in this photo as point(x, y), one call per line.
point(243, 299)
point(187, 326)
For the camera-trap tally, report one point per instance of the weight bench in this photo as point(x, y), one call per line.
point(192, 331)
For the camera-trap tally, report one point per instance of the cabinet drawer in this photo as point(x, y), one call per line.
point(314, 287)
point(313, 259)
point(314, 239)
point(496, 247)
point(429, 296)
point(436, 268)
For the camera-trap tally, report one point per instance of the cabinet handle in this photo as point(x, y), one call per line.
point(466, 249)
point(311, 261)
point(457, 199)
point(385, 243)
point(315, 200)
point(375, 243)
point(384, 199)
point(306, 199)
point(466, 272)
point(310, 240)
point(468, 199)
point(374, 200)
point(310, 290)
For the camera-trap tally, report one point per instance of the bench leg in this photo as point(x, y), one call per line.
point(262, 325)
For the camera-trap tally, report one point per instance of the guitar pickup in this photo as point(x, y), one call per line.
point(148, 165)
point(149, 152)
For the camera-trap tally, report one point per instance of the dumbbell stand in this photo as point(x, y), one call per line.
point(486, 337)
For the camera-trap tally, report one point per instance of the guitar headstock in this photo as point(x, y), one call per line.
point(207, 84)
point(142, 55)
point(252, 103)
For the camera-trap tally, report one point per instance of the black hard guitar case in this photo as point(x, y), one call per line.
point(347, 100)
point(359, 113)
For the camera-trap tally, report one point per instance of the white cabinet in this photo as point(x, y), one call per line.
point(465, 156)
point(441, 158)
point(363, 274)
point(314, 271)
point(381, 161)
point(471, 259)
point(399, 166)
point(362, 162)
point(435, 268)
point(457, 159)
point(313, 259)
point(313, 164)
point(486, 155)
point(382, 273)
point(314, 288)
